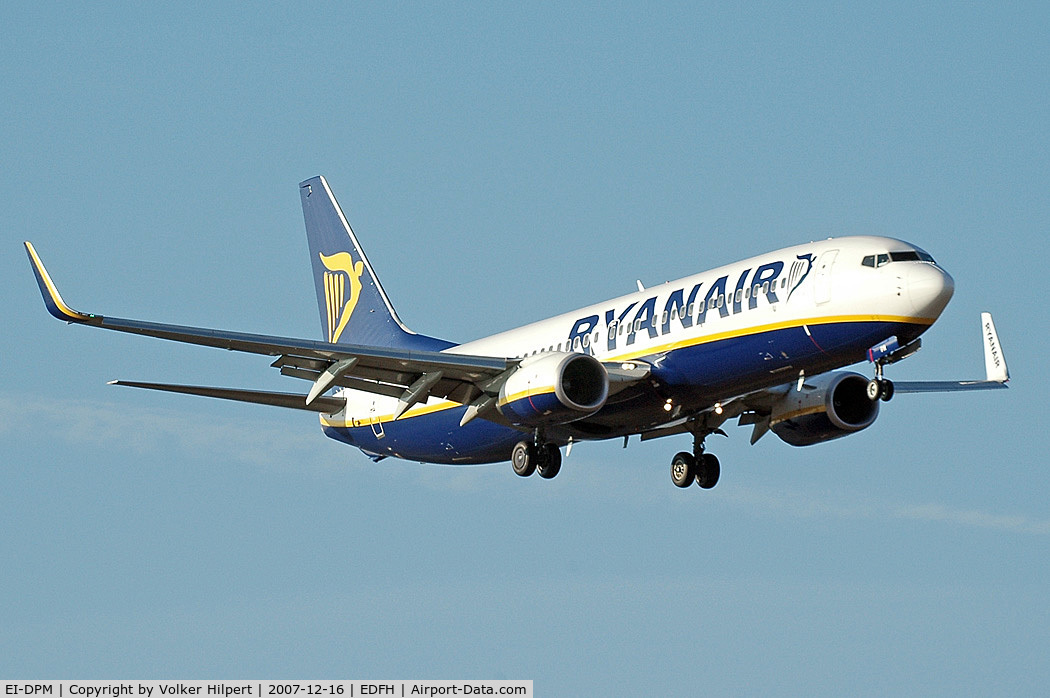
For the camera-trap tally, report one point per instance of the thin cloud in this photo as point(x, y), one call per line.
point(268, 444)
point(145, 430)
point(833, 505)
point(940, 513)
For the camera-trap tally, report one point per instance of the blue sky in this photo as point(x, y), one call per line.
point(501, 163)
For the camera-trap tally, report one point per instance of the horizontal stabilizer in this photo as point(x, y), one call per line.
point(325, 405)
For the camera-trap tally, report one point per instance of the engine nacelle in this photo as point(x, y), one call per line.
point(828, 406)
point(554, 388)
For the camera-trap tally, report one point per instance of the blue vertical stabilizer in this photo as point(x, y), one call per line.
point(354, 308)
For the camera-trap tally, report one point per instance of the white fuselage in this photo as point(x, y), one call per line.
point(831, 282)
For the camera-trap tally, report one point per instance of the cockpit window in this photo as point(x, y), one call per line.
point(910, 256)
point(905, 256)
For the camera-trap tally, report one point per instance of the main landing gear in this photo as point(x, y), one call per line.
point(699, 467)
point(534, 456)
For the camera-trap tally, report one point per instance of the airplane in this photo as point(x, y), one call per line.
point(763, 341)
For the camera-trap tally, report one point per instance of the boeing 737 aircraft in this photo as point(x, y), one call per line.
point(761, 341)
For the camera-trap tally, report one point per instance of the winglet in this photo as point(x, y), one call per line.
point(52, 299)
point(994, 359)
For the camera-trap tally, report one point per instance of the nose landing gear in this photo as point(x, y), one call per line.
point(880, 388)
point(883, 354)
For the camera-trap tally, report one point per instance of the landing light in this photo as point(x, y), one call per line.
point(667, 405)
point(718, 408)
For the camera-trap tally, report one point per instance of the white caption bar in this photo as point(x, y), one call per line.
point(261, 689)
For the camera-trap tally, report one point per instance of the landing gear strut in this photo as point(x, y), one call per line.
point(536, 456)
point(699, 467)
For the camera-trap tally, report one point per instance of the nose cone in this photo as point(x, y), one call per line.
point(930, 288)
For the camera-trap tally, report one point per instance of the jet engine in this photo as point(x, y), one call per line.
point(829, 406)
point(554, 388)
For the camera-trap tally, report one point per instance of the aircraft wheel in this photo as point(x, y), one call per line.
point(550, 464)
point(880, 389)
point(887, 391)
point(683, 469)
point(874, 389)
point(523, 458)
point(707, 471)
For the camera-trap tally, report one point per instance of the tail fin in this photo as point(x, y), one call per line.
point(354, 308)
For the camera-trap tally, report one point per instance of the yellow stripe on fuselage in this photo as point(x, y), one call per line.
point(759, 329)
point(659, 349)
point(378, 419)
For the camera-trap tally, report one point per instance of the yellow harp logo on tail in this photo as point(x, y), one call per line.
point(342, 273)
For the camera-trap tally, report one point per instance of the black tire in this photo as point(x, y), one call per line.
point(874, 389)
point(707, 471)
point(683, 469)
point(550, 464)
point(887, 391)
point(523, 458)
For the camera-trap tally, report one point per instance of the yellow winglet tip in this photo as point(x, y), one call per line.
point(52, 298)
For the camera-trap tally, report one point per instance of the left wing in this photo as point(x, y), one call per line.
point(755, 408)
point(409, 375)
point(996, 372)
